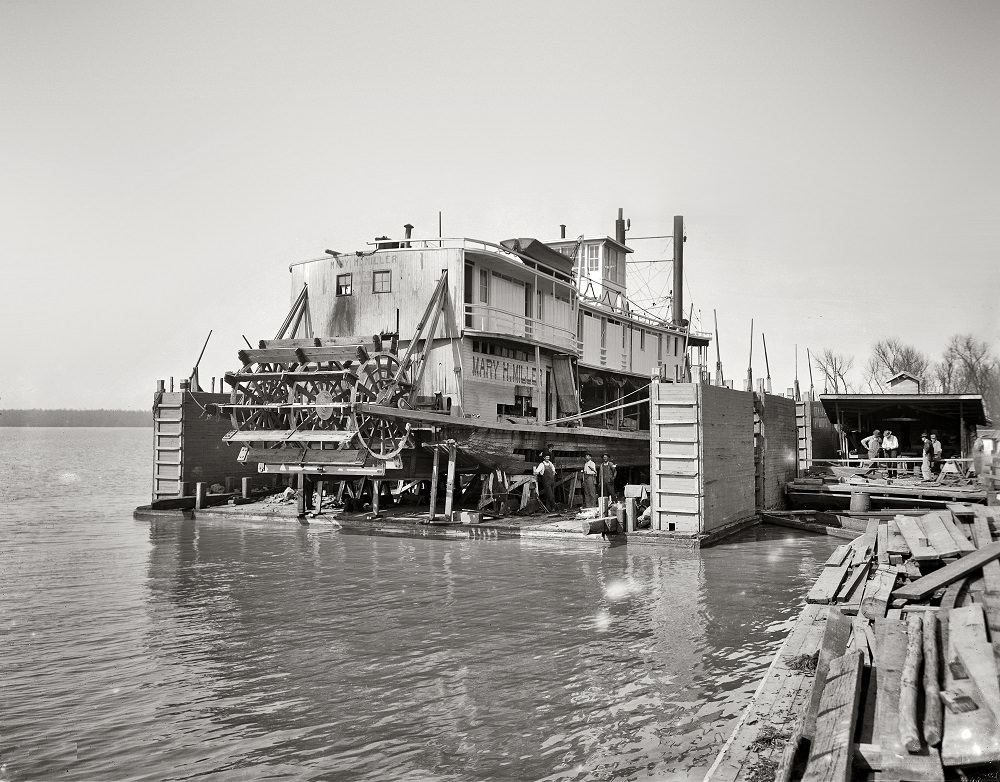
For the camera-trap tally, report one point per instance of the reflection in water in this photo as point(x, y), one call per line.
point(373, 658)
point(181, 650)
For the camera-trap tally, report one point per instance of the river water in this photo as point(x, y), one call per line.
point(241, 651)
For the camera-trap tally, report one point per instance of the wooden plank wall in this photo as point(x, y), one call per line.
point(778, 444)
point(727, 422)
point(414, 275)
point(188, 446)
point(701, 457)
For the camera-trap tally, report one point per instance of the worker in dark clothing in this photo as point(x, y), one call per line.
point(608, 473)
point(545, 472)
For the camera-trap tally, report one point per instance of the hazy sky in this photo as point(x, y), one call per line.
point(161, 164)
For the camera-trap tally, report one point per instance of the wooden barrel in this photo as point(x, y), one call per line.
point(860, 501)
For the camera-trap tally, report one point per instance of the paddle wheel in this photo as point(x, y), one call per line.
point(381, 381)
point(311, 404)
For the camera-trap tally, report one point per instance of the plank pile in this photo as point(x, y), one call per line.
point(906, 683)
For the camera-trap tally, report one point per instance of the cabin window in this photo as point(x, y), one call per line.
point(382, 282)
point(343, 284)
point(604, 333)
point(593, 256)
point(677, 346)
point(484, 286)
point(642, 339)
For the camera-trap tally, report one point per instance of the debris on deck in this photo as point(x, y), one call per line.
point(890, 672)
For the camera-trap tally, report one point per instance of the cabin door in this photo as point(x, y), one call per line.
point(550, 412)
point(467, 294)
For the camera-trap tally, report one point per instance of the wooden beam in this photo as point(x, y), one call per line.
point(970, 736)
point(877, 593)
point(896, 762)
point(830, 754)
point(826, 585)
point(834, 645)
point(288, 436)
point(949, 573)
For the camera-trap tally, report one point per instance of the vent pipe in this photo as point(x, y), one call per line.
point(562, 231)
point(677, 309)
point(409, 232)
point(620, 227)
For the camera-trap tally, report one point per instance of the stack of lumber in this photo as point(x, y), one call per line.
point(906, 662)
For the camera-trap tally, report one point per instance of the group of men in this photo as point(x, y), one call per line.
point(886, 445)
point(595, 477)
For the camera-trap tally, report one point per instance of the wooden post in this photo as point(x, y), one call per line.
point(630, 514)
point(319, 497)
point(449, 487)
point(909, 732)
point(245, 488)
point(933, 717)
point(302, 495)
point(435, 472)
point(376, 488)
point(200, 495)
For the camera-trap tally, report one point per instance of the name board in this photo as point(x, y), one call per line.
point(504, 370)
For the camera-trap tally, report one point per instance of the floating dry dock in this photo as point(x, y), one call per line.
point(890, 672)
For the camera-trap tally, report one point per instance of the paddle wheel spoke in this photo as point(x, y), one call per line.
point(376, 384)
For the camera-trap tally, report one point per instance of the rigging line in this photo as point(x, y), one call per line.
point(590, 413)
point(599, 410)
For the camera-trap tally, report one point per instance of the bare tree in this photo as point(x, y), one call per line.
point(834, 367)
point(972, 368)
point(945, 372)
point(890, 357)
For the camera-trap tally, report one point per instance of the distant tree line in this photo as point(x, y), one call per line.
point(968, 366)
point(76, 418)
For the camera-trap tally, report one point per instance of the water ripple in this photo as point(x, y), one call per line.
point(175, 651)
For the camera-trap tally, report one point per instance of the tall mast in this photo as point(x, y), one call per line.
point(750, 362)
point(719, 380)
point(797, 395)
point(677, 308)
point(767, 386)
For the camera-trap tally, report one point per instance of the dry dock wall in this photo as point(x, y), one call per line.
point(777, 440)
point(717, 455)
point(188, 447)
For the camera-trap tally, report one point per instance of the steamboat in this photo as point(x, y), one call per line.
point(490, 353)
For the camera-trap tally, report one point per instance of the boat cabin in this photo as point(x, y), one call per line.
point(528, 332)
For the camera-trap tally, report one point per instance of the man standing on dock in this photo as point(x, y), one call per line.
point(589, 482)
point(609, 471)
point(873, 443)
point(928, 452)
point(890, 448)
point(546, 472)
point(936, 454)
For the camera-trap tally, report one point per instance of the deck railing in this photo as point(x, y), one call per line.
point(493, 320)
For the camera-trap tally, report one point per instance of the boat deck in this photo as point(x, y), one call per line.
point(566, 525)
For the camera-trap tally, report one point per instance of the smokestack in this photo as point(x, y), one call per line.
point(562, 231)
point(409, 232)
point(620, 227)
point(678, 305)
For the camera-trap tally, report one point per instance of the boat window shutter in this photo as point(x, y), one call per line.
point(565, 386)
